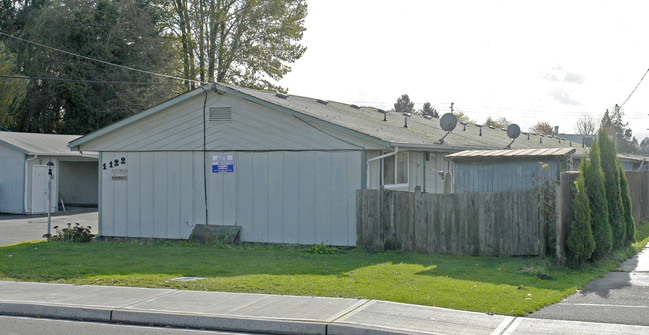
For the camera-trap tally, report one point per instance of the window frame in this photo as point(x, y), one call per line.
point(395, 168)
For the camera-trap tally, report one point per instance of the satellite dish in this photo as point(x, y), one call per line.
point(513, 131)
point(448, 122)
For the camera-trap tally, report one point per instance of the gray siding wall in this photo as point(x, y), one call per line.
point(500, 176)
point(418, 170)
point(301, 197)
point(12, 181)
point(78, 182)
point(254, 127)
point(436, 172)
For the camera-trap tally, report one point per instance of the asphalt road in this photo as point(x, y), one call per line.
point(621, 296)
point(20, 228)
point(11, 325)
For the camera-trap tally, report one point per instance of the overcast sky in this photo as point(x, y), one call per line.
point(528, 61)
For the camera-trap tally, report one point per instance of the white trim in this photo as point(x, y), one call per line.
point(394, 186)
point(27, 160)
point(396, 150)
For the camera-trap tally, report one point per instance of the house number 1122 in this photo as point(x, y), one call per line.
point(114, 163)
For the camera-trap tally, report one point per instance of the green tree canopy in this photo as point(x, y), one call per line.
point(594, 184)
point(122, 32)
point(580, 243)
point(626, 206)
point(428, 109)
point(12, 91)
point(619, 130)
point(247, 43)
point(501, 122)
point(609, 160)
point(404, 105)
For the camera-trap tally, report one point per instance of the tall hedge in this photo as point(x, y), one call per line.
point(594, 182)
point(580, 243)
point(609, 162)
point(626, 207)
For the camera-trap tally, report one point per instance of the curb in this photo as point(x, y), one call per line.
point(193, 321)
point(56, 311)
point(219, 322)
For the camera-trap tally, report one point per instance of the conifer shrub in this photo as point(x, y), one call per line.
point(608, 156)
point(626, 207)
point(580, 243)
point(594, 182)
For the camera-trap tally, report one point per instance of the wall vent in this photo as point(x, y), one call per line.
point(220, 115)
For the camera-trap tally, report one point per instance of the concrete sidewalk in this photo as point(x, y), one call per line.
point(269, 313)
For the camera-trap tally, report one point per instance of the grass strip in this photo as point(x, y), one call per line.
point(502, 285)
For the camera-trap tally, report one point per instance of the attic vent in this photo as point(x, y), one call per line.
point(220, 115)
point(355, 106)
point(281, 96)
point(320, 101)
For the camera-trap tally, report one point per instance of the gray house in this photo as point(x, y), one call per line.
point(283, 168)
point(24, 172)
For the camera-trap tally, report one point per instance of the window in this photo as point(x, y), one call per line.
point(395, 170)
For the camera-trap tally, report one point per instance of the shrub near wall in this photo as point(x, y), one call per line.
point(626, 207)
point(594, 182)
point(580, 243)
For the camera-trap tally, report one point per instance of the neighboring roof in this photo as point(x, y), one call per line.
point(41, 144)
point(364, 122)
point(633, 158)
point(535, 153)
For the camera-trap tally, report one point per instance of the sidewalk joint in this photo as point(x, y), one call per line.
point(359, 306)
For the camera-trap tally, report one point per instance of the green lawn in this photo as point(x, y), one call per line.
point(484, 284)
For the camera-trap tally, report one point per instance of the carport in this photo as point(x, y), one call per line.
point(24, 173)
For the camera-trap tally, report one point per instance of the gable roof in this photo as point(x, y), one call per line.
point(366, 123)
point(41, 144)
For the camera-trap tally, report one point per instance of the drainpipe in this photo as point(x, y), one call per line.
point(396, 149)
point(25, 181)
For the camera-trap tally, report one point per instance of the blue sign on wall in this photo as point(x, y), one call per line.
point(222, 163)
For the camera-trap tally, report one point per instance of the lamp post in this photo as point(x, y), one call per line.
point(50, 165)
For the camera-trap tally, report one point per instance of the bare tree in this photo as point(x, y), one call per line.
point(586, 125)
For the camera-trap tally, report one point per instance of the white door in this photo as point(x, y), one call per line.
point(39, 189)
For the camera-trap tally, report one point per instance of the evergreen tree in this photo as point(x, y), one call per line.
point(580, 243)
point(404, 105)
point(594, 182)
point(619, 131)
point(428, 109)
point(608, 157)
point(626, 207)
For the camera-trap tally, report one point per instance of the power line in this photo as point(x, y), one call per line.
point(100, 61)
point(636, 87)
point(88, 81)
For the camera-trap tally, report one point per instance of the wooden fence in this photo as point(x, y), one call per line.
point(485, 224)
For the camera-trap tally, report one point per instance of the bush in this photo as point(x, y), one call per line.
point(321, 249)
point(626, 208)
point(580, 243)
point(77, 233)
point(609, 161)
point(594, 182)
